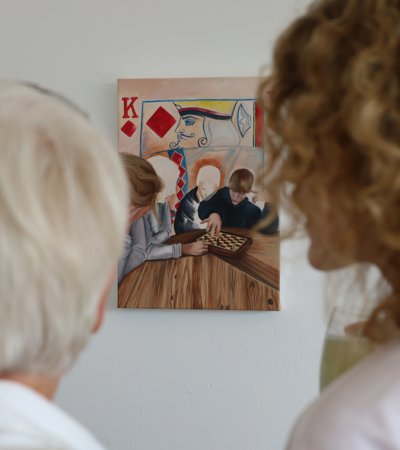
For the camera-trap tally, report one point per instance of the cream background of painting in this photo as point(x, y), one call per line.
point(174, 380)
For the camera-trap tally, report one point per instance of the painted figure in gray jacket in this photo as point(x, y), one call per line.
point(146, 241)
point(146, 231)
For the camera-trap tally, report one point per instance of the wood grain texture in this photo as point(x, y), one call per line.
point(208, 281)
point(262, 259)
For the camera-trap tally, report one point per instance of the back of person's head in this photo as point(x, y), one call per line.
point(333, 103)
point(63, 203)
point(241, 181)
point(144, 182)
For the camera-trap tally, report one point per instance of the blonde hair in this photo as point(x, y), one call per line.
point(241, 181)
point(63, 203)
point(144, 182)
point(333, 123)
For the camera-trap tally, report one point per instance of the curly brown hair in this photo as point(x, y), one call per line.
point(332, 108)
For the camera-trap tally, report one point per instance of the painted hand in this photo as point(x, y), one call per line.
point(195, 248)
point(214, 224)
point(171, 200)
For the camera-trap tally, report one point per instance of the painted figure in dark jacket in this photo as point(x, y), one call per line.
point(230, 207)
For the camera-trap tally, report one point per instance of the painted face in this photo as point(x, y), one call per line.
point(208, 180)
point(206, 188)
point(190, 130)
point(236, 197)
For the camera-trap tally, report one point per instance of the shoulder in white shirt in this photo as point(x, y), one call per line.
point(30, 421)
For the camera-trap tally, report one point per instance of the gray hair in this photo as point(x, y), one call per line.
point(63, 206)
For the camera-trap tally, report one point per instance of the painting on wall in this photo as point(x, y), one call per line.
point(203, 137)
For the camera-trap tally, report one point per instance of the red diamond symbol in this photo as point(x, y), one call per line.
point(179, 195)
point(180, 183)
point(177, 205)
point(182, 171)
point(177, 158)
point(128, 128)
point(161, 122)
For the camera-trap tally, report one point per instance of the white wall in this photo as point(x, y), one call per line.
point(175, 380)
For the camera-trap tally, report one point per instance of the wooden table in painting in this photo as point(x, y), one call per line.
point(209, 281)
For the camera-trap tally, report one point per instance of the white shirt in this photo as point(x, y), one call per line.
point(30, 421)
point(359, 411)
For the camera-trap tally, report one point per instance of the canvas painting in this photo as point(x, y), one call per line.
point(202, 136)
